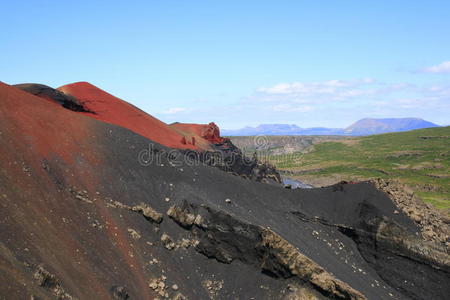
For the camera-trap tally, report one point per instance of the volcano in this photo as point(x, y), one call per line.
point(83, 216)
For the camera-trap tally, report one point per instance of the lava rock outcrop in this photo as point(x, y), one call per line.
point(209, 132)
point(53, 95)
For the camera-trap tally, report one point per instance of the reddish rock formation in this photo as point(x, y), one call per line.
point(209, 132)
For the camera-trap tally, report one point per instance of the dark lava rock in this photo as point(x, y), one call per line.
point(52, 94)
point(120, 293)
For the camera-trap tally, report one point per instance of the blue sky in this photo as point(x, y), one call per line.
point(238, 63)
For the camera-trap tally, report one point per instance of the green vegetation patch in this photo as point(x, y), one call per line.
point(418, 158)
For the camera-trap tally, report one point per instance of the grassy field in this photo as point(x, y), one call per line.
point(419, 158)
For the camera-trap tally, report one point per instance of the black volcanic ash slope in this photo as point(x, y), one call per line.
point(352, 231)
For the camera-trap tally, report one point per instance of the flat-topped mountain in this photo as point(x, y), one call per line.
point(374, 126)
point(365, 126)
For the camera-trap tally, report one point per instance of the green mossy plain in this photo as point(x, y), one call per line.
point(418, 158)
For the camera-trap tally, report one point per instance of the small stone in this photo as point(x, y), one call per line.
point(181, 216)
point(416, 217)
point(228, 200)
point(175, 287)
point(179, 296)
point(167, 241)
point(167, 199)
point(185, 243)
point(134, 234)
point(148, 212)
point(153, 285)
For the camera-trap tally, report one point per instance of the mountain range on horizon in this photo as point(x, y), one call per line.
point(366, 126)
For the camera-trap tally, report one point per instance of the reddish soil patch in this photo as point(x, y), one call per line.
point(113, 110)
point(47, 134)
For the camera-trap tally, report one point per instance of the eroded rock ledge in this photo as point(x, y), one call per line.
point(144, 209)
point(225, 238)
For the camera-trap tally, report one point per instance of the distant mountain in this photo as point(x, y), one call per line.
point(365, 126)
point(373, 126)
point(281, 129)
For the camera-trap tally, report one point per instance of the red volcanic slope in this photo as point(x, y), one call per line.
point(209, 132)
point(113, 110)
point(19, 109)
point(39, 138)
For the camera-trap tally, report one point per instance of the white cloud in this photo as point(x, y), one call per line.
point(175, 110)
point(323, 87)
point(354, 97)
point(319, 92)
point(329, 87)
point(290, 108)
point(441, 68)
point(408, 103)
